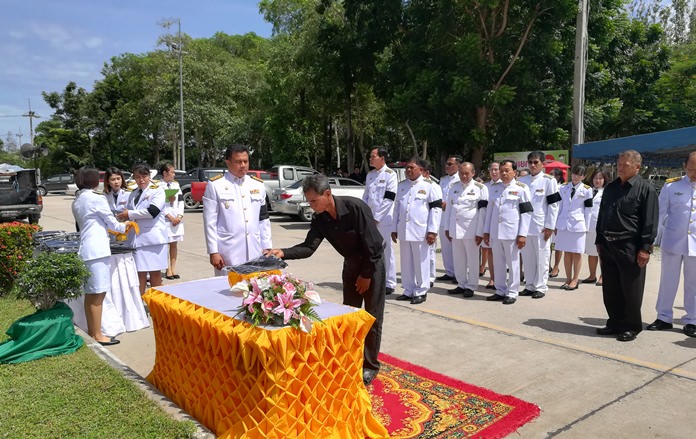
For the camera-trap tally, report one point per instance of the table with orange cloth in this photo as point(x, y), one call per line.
point(242, 381)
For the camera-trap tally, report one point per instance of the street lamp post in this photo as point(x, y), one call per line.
point(181, 100)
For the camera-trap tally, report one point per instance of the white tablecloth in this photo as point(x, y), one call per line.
point(123, 309)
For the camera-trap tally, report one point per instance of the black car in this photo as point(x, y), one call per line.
point(56, 183)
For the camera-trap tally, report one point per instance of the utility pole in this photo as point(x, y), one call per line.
point(181, 100)
point(31, 115)
point(578, 129)
point(19, 136)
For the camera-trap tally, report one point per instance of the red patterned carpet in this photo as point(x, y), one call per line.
point(414, 402)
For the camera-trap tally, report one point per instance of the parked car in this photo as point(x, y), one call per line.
point(657, 180)
point(56, 183)
point(19, 196)
point(72, 187)
point(291, 200)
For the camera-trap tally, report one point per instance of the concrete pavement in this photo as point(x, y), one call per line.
point(543, 351)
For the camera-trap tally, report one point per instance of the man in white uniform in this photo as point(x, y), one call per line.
point(451, 177)
point(417, 212)
point(543, 189)
point(380, 191)
point(505, 230)
point(676, 236)
point(464, 219)
point(427, 172)
point(235, 217)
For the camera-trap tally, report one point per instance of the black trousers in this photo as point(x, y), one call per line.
point(374, 299)
point(623, 283)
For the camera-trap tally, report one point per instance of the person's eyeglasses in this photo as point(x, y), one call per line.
point(534, 162)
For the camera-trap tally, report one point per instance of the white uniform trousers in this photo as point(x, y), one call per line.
point(446, 252)
point(433, 269)
point(415, 267)
point(669, 283)
point(465, 255)
point(389, 258)
point(536, 254)
point(506, 255)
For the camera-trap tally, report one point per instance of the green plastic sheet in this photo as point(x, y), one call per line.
point(43, 334)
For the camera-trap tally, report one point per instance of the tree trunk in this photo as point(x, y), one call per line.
point(349, 126)
point(413, 139)
point(482, 125)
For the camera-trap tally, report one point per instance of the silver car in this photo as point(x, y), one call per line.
point(291, 201)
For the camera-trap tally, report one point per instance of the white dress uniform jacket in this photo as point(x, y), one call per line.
point(94, 218)
point(418, 209)
point(446, 184)
point(118, 201)
point(175, 208)
point(508, 216)
point(235, 218)
point(380, 192)
point(153, 230)
point(543, 190)
point(676, 236)
point(494, 190)
point(466, 210)
point(575, 213)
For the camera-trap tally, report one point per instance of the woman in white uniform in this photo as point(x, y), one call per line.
point(571, 226)
point(115, 191)
point(145, 207)
point(94, 218)
point(174, 213)
point(599, 180)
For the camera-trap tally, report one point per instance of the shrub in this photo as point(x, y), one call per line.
point(50, 277)
point(15, 250)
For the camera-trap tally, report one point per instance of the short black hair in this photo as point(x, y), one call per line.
point(141, 169)
point(579, 170)
point(235, 148)
point(87, 178)
point(536, 155)
point(456, 157)
point(166, 166)
point(512, 162)
point(382, 152)
point(318, 183)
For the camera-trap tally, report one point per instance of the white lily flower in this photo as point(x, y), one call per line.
point(305, 324)
point(313, 297)
point(241, 287)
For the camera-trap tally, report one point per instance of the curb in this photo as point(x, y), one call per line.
point(150, 391)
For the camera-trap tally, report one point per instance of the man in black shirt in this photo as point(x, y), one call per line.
point(347, 223)
point(626, 229)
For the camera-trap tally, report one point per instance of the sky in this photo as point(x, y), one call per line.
point(46, 44)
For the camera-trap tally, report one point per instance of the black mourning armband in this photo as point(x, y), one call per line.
point(526, 207)
point(153, 210)
point(588, 202)
point(482, 203)
point(434, 204)
point(263, 213)
point(553, 198)
point(389, 195)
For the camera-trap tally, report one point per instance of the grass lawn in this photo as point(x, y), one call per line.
point(74, 395)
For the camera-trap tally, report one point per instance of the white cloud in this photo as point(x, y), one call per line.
point(61, 38)
point(17, 35)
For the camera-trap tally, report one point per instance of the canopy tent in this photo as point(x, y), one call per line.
point(551, 165)
point(661, 149)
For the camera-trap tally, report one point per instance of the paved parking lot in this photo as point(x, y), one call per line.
point(543, 351)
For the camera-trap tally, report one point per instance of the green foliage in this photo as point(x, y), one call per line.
point(676, 89)
point(49, 277)
point(15, 250)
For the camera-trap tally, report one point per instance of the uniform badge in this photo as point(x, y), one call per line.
point(679, 193)
point(422, 191)
point(254, 191)
point(225, 187)
point(513, 193)
point(382, 181)
point(540, 190)
point(227, 204)
point(472, 192)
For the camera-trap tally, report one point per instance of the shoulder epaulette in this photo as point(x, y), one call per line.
point(255, 178)
point(478, 185)
point(98, 192)
point(217, 177)
point(128, 189)
point(521, 184)
point(154, 186)
point(428, 180)
point(154, 181)
point(587, 186)
point(548, 176)
point(174, 181)
point(389, 171)
point(672, 180)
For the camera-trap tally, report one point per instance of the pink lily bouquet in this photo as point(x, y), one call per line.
point(278, 299)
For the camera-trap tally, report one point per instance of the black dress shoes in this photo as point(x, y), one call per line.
point(627, 336)
point(468, 292)
point(495, 298)
point(404, 297)
point(659, 325)
point(526, 292)
point(111, 342)
point(457, 290)
point(588, 281)
point(418, 299)
point(490, 286)
point(445, 277)
point(690, 330)
point(389, 291)
point(368, 376)
point(607, 331)
point(431, 284)
point(509, 301)
point(538, 295)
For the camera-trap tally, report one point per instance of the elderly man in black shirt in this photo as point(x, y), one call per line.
point(626, 229)
point(347, 223)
